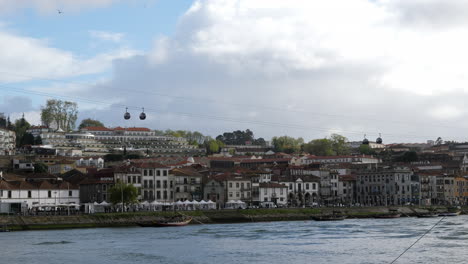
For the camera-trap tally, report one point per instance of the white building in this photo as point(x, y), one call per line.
point(38, 193)
point(359, 159)
point(273, 192)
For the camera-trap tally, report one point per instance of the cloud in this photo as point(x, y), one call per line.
point(106, 36)
point(25, 58)
point(51, 6)
point(300, 67)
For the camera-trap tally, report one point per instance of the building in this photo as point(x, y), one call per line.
point(273, 192)
point(358, 159)
point(302, 190)
point(95, 187)
point(239, 187)
point(143, 140)
point(7, 142)
point(23, 195)
point(384, 185)
point(214, 189)
point(188, 184)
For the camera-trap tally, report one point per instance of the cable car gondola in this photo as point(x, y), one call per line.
point(143, 115)
point(127, 114)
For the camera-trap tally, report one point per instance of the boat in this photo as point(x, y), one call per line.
point(450, 213)
point(427, 215)
point(329, 217)
point(335, 216)
point(392, 213)
point(172, 221)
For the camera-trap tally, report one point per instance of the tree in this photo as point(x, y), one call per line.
point(88, 122)
point(22, 137)
point(40, 168)
point(320, 147)
point(213, 145)
point(3, 121)
point(59, 114)
point(239, 137)
point(339, 144)
point(121, 192)
point(38, 140)
point(408, 156)
point(287, 144)
point(366, 150)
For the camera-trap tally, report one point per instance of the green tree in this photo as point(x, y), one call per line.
point(366, 150)
point(408, 156)
point(339, 144)
point(213, 145)
point(88, 122)
point(287, 144)
point(121, 192)
point(20, 128)
point(320, 147)
point(38, 140)
point(59, 114)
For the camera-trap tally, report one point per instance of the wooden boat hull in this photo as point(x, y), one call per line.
point(165, 223)
point(427, 215)
point(389, 216)
point(333, 217)
point(450, 214)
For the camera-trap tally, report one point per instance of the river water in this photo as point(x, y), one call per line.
point(348, 241)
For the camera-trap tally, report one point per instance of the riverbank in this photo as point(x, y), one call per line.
point(15, 223)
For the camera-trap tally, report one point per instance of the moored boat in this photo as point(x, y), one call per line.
point(392, 213)
point(329, 217)
point(174, 221)
point(427, 215)
point(450, 213)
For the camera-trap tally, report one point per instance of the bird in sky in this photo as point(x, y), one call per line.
point(59, 11)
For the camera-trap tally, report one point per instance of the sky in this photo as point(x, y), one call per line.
point(300, 68)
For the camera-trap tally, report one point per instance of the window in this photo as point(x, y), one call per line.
point(29, 194)
point(242, 185)
point(145, 184)
point(164, 172)
point(158, 195)
point(237, 185)
point(158, 173)
point(134, 179)
point(129, 179)
point(139, 179)
point(170, 184)
point(104, 187)
point(281, 191)
point(230, 185)
point(185, 188)
point(150, 183)
point(150, 172)
point(145, 172)
point(158, 184)
point(164, 184)
point(230, 194)
point(9, 194)
point(237, 194)
point(265, 192)
point(49, 194)
point(248, 185)
point(70, 193)
point(290, 186)
point(165, 195)
point(307, 186)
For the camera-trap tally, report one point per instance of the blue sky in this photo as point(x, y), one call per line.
point(300, 68)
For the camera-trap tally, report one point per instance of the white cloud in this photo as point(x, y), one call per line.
point(107, 36)
point(446, 112)
point(25, 58)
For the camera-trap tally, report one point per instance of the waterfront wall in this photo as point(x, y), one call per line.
point(199, 217)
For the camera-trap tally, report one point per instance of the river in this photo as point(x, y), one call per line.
point(348, 241)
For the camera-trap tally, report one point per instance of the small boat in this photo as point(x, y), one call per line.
point(173, 221)
point(392, 213)
point(329, 217)
point(335, 216)
point(4, 229)
point(450, 213)
point(427, 215)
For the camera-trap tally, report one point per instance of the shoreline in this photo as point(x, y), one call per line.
point(23, 223)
